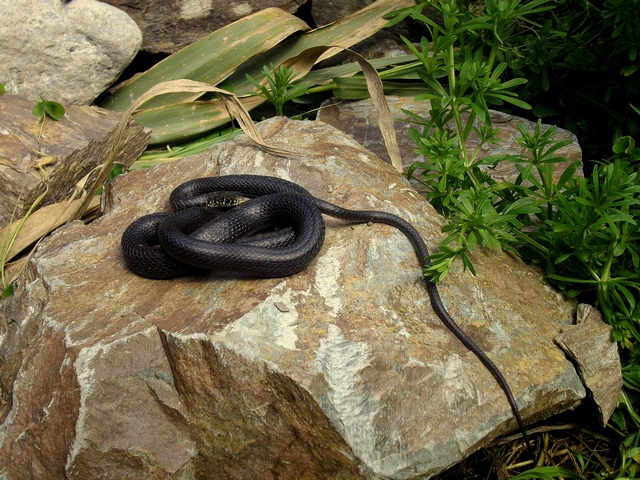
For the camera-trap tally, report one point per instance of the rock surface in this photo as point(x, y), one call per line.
point(360, 120)
point(55, 155)
point(168, 26)
point(67, 51)
point(108, 375)
point(329, 11)
point(591, 347)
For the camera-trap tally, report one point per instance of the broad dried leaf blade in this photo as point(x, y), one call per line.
point(42, 222)
point(385, 117)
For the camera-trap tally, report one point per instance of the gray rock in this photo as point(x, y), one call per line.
point(109, 375)
point(591, 347)
point(69, 52)
point(168, 26)
point(329, 11)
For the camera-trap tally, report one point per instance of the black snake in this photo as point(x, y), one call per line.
point(200, 236)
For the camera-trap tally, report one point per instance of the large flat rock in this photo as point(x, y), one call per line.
point(105, 374)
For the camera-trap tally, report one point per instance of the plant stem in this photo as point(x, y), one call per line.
point(605, 274)
point(492, 56)
point(451, 72)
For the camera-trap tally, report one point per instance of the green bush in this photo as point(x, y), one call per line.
point(582, 65)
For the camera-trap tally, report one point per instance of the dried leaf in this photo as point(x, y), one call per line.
point(232, 103)
point(40, 223)
point(385, 117)
point(304, 61)
point(13, 270)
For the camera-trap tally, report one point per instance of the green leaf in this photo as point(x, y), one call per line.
point(38, 110)
point(627, 295)
point(619, 249)
point(512, 100)
point(53, 110)
point(562, 258)
point(624, 144)
point(479, 23)
point(182, 121)
point(617, 334)
point(525, 205)
point(481, 111)
point(567, 175)
point(513, 83)
point(629, 70)
point(471, 241)
point(547, 473)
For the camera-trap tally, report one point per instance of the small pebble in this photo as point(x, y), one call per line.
point(282, 307)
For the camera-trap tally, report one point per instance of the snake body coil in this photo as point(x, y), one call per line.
point(198, 236)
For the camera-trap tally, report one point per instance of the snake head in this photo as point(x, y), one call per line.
point(224, 199)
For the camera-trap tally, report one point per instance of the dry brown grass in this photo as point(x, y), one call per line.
point(587, 450)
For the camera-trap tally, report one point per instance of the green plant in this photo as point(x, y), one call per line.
point(587, 241)
point(225, 58)
point(8, 236)
point(48, 108)
point(462, 83)
point(43, 109)
point(582, 66)
point(463, 80)
point(281, 87)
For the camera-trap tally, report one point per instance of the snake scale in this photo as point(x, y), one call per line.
point(201, 236)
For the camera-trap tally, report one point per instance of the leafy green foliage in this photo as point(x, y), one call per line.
point(582, 66)
point(585, 230)
point(281, 87)
point(588, 242)
point(463, 80)
point(48, 108)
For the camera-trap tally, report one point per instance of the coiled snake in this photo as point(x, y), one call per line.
point(200, 236)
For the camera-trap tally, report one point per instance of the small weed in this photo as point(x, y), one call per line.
point(48, 108)
point(281, 87)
